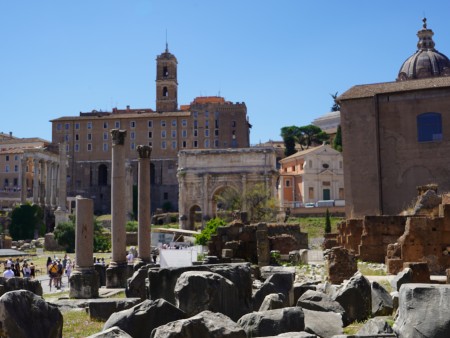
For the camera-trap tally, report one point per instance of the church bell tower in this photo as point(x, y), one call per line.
point(166, 82)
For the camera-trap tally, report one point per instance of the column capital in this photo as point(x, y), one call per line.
point(118, 136)
point(144, 151)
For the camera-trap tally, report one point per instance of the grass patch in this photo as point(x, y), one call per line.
point(79, 324)
point(353, 327)
point(366, 270)
point(104, 218)
point(315, 226)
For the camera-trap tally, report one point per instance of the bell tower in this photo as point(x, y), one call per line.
point(166, 82)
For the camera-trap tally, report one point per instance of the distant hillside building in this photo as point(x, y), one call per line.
point(396, 135)
point(205, 123)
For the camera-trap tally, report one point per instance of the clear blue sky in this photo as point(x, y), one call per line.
point(282, 58)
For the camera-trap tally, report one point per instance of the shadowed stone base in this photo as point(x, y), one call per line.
point(117, 275)
point(84, 284)
point(61, 217)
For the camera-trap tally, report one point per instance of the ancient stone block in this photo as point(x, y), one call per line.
point(341, 264)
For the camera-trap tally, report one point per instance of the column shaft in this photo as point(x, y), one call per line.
point(84, 236)
point(36, 181)
point(62, 176)
point(144, 230)
point(23, 183)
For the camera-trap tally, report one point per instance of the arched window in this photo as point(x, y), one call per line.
point(429, 127)
point(165, 92)
point(102, 175)
point(165, 71)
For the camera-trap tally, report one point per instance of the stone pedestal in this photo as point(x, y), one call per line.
point(60, 217)
point(262, 245)
point(117, 275)
point(84, 280)
point(84, 284)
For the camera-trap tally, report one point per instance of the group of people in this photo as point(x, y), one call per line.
point(15, 269)
point(56, 268)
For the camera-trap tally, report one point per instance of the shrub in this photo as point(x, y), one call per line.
point(25, 220)
point(132, 226)
point(210, 229)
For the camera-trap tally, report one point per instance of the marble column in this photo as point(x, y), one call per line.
point(54, 184)
point(48, 183)
point(36, 181)
point(84, 280)
point(23, 179)
point(144, 229)
point(42, 165)
point(61, 214)
point(116, 274)
point(129, 190)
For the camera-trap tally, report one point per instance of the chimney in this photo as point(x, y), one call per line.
point(128, 108)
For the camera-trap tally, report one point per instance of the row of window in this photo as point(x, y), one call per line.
point(8, 168)
point(132, 124)
point(164, 145)
point(16, 157)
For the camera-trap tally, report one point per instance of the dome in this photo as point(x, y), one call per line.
point(426, 61)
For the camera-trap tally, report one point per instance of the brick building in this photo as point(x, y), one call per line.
point(207, 122)
point(396, 135)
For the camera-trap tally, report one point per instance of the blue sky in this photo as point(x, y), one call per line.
point(282, 58)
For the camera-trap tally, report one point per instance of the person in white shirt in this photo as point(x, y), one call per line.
point(130, 258)
point(8, 273)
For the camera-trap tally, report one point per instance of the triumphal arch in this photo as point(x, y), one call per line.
point(203, 174)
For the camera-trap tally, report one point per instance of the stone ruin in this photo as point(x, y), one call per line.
point(240, 241)
point(421, 234)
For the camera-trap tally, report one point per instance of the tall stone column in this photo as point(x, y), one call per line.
point(23, 179)
point(43, 166)
point(144, 230)
point(116, 274)
point(54, 184)
point(61, 214)
point(48, 183)
point(36, 181)
point(262, 245)
point(129, 190)
point(84, 280)
point(205, 210)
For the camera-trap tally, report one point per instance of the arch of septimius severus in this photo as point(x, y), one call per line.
point(203, 174)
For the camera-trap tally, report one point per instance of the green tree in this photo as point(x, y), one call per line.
point(229, 199)
point(290, 138)
point(327, 222)
point(65, 236)
point(311, 135)
point(335, 106)
point(337, 142)
point(25, 220)
point(210, 229)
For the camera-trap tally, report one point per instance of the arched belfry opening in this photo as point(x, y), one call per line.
point(165, 92)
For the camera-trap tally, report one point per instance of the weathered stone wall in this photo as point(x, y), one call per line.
point(242, 240)
point(349, 234)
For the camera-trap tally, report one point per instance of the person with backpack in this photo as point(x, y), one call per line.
point(52, 273)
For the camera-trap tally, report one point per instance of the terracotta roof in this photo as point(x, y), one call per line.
point(23, 140)
point(307, 151)
point(12, 151)
point(369, 90)
point(208, 99)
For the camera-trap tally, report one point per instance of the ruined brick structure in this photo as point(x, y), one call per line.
point(341, 264)
point(241, 239)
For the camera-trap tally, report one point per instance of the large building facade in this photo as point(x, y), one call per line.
point(396, 135)
point(205, 123)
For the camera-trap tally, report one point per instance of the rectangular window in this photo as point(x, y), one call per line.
point(105, 125)
point(184, 133)
point(77, 137)
point(206, 114)
point(166, 195)
point(7, 168)
point(77, 147)
point(216, 123)
point(195, 124)
point(132, 135)
point(174, 123)
point(89, 137)
point(77, 126)
point(150, 134)
point(206, 132)
point(59, 126)
point(16, 168)
point(287, 183)
point(132, 124)
point(150, 123)
point(105, 135)
point(326, 183)
point(163, 133)
point(206, 143)
point(89, 125)
point(89, 146)
point(195, 144)
point(16, 158)
point(132, 146)
point(105, 147)
point(117, 124)
point(7, 157)
point(195, 132)
point(66, 138)
point(150, 144)
point(216, 143)
point(429, 127)
point(184, 123)
point(206, 124)
point(216, 132)
point(174, 133)
point(163, 144)
point(233, 124)
point(67, 126)
point(163, 123)
point(183, 144)
point(174, 144)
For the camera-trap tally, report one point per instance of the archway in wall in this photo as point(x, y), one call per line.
point(195, 217)
point(225, 200)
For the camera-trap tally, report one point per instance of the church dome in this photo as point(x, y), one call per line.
point(426, 61)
